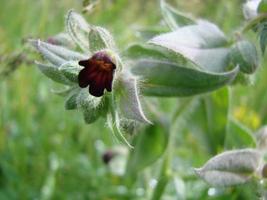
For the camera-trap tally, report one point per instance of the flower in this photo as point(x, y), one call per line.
point(97, 73)
point(103, 71)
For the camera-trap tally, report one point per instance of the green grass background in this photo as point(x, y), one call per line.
point(36, 133)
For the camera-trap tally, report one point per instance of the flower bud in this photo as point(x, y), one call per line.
point(61, 39)
point(244, 54)
point(108, 156)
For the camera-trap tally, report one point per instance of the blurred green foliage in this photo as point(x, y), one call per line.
point(49, 153)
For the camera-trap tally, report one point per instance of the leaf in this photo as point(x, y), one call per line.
point(148, 33)
point(230, 167)
point(92, 107)
point(65, 91)
point(96, 41)
point(166, 79)
point(115, 124)
point(149, 146)
point(71, 74)
point(217, 111)
point(202, 35)
point(53, 73)
point(244, 54)
point(106, 37)
point(78, 29)
point(56, 55)
point(71, 100)
point(173, 18)
point(48, 55)
point(150, 52)
point(238, 136)
point(99, 39)
point(71, 71)
point(203, 44)
point(62, 39)
point(262, 8)
point(127, 97)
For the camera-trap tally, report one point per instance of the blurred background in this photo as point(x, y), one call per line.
point(49, 153)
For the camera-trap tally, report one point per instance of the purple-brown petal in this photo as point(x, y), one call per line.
point(84, 63)
point(95, 90)
point(100, 80)
point(108, 81)
point(98, 74)
point(83, 78)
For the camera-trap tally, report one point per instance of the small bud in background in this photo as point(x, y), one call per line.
point(116, 159)
point(51, 40)
point(61, 39)
point(108, 156)
point(119, 157)
point(230, 167)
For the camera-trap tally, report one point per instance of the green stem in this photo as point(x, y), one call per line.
point(164, 177)
point(254, 22)
point(166, 169)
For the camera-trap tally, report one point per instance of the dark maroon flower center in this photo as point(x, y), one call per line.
point(97, 73)
point(108, 156)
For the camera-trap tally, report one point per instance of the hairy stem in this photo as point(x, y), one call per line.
point(166, 168)
point(254, 22)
